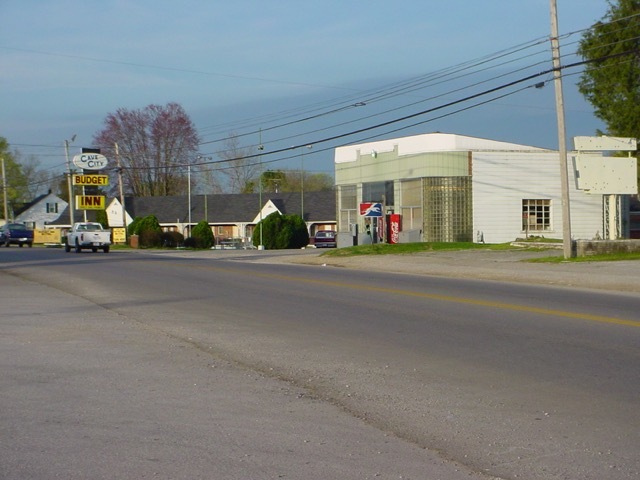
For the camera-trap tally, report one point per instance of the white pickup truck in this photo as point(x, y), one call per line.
point(88, 235)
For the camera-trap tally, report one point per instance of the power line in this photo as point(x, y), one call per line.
point(404, 87)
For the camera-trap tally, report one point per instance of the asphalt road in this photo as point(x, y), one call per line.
point(215, 366)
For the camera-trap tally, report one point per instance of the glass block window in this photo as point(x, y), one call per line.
point(448, 209)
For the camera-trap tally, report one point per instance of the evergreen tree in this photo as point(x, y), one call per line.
point(102, 218)
point(149, 231)
point(281, 232)
point(202, 235)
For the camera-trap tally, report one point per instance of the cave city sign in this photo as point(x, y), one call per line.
point(91, 162)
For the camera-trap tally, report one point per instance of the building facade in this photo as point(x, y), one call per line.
point(448, 188)
point(232, 217)
point(41, 211)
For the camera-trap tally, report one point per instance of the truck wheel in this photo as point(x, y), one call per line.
point(105, 249)
point(78, 249)
point(94, 249)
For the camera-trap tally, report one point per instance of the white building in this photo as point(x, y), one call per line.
point(42, 210)
point(455, 188)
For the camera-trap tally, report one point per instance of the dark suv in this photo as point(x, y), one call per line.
point(325, 239)
point(15, 233)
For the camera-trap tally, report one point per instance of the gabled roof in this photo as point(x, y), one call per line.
point(232, 208)
point(26, 206)
point(220, 208)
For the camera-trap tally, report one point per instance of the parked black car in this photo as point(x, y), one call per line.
point(16, 233)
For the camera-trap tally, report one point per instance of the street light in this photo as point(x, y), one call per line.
point(198, 158)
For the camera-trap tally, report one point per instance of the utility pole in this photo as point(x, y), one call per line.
point(302, 184)
point(124, 211)
point(260, 148)
point(66, 152)
point(4, 192)
point(189, 194)
point(567, 245)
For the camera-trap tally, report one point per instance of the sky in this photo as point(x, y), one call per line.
point(289, 73)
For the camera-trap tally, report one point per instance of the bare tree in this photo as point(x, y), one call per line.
point(242, 173)
point(155, 144)
point(37, 181)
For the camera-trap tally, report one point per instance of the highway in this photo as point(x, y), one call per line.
point(485, 379)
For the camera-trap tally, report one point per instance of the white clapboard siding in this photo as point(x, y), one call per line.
point(501, 180)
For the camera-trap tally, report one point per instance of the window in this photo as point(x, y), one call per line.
point(411, 208)
point(52, 208)
point(348, 206)
point(536, 215)
point(380, 192)
point(448, 216)
point(348, 199)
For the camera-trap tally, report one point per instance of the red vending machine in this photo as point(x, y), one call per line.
point(395, 226)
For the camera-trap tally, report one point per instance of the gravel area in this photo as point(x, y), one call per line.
point(511, 265)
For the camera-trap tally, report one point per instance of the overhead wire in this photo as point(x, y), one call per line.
point(397, 89)
point(415, 82)
point(367, 100)
point(407, 86)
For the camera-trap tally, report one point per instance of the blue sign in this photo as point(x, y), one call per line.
point(371, 209)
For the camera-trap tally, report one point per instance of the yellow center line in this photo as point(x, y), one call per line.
point(433, 296)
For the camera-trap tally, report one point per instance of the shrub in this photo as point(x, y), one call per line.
point(190, 242)
point(150, 238)
point(133, 226)
point(299, 233)
point(281, 232)
point(203, 235)
point(171, 239)
point(270, 226)
point(102, 218)
point(149, 231)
